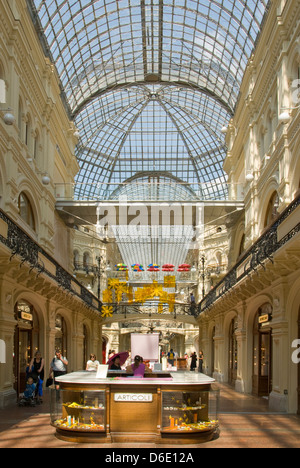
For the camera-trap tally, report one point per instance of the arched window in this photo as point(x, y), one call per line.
point(242, 245)
point(76, 259)
point(2, 86)
point(20, 117)
point(27, 131)
point(272, 209)
point(86, 260)
point(25, 210)
point(36, 143)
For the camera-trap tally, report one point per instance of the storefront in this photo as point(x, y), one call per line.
point(26, 342)
point(262, 352)
point(233, 353)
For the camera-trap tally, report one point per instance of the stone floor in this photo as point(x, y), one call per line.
point(245, 422)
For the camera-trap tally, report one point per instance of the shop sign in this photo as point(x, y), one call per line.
point(26, 316)
point(134, 397)
point(264, 318)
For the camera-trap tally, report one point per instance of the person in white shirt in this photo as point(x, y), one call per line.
point(92, 364)
point(58, 366)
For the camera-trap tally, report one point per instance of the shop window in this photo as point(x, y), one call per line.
point(25, 210)
point(233, 352)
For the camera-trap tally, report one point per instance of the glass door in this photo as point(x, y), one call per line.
point(22, 357)
point(262, 359)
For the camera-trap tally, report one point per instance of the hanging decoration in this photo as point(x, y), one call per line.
point(107, 311)
point(153, 267)
point(184, 267)
point(121, 267)
point(117, 290)
point(137, 267)
point(168, 267)
point(169, 281)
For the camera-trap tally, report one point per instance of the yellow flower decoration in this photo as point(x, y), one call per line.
point(120, 289)
point(107, 295)
point(107, 311)
point(169, 281)
point(112, 283)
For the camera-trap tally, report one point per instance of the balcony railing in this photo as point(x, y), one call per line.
point(23, 246)
point(264, 249)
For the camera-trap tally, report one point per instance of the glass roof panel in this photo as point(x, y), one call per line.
point(99, 43)
point(155, 128)
point(150, 83)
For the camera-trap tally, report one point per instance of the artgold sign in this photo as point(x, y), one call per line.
point(134, 397)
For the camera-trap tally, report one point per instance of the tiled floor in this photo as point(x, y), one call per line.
point(245, 422)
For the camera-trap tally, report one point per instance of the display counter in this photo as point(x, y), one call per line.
point(162, 408)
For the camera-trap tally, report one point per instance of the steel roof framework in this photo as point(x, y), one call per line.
point(150, 83)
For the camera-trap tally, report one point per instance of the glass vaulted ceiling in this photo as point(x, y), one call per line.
point(150, 83)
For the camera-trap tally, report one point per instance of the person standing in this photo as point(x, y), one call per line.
point(36, 366)
point(92, 364)
point(193, 361)
point(171, 357)
point(201, 357)
point(58, 366)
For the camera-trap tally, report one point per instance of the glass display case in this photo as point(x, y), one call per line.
point(190, 412)
point(78, 411)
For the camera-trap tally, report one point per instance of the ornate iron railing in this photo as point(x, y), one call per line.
point(150, 308)
point(263, 249)
point(23, 246)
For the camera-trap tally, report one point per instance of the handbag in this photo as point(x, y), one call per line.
point(49, 382)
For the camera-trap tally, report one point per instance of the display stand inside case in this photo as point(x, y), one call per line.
point(79, 411)
point(179, 408)
point(189, 411)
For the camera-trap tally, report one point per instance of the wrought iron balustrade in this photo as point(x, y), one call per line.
point(263, 249)
point(22, 245)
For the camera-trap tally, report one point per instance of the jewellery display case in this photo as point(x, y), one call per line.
point(178, 408)
point(189, 411)
point(78, 411)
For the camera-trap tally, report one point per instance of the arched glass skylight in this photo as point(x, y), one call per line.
point(150, 83)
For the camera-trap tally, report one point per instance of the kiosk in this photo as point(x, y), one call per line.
point(173, 408)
